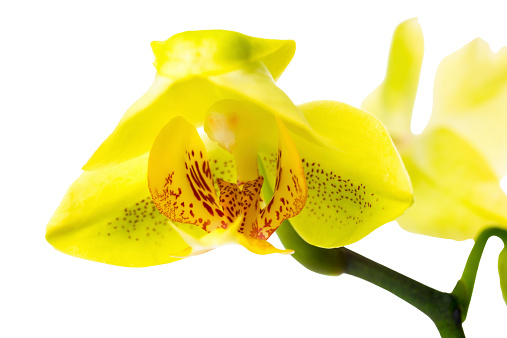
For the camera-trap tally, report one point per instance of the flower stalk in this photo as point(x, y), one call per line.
point(446, 310)
point(442, 308)
point(465, 286)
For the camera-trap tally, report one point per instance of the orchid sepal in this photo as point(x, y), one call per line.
point(470, 94)
point(197, 88)
point(352, 190)
point(108, 216)
point(212, 52)
point(393, 101)
point(439, 161)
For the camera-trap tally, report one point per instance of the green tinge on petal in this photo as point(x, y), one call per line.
point(456, 193)
point(470, 97)
point(392, 102)
point(212, 52)
point(108, 216)
point(353, 190)
point(502, 271)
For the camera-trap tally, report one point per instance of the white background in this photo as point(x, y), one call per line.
point(69, 71)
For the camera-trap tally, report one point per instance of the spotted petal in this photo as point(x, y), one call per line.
point(456, 193)
point(392, 102)
point(353, 190)
point(180, 179)
point(470, 98)
point(108, 216)
point(290, 190)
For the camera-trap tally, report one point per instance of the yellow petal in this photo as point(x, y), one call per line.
point(456, 193)
point(260, 247)
point(135, 133)
point(211, 52)
point(183, 63)
point(193, 98)
point(221, 161)
point(229, 193)
point(392, 102)
point(351, 191)
point(108, 216)
point(470, 97)
point(219, 237)
point(290, 189)
point(197, 245)
point(250, 202)
point(241, 128)
point(180, 179)
point(254, 86)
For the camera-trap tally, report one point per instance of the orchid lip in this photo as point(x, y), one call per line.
point(183, 189)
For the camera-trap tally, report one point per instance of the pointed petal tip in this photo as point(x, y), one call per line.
point(155, 44)
point(411, 25)
point(411, 21)
point(260, 247)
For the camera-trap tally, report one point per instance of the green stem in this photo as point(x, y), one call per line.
point(465, 286)
point(442, 308)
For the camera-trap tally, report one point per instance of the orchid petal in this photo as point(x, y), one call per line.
point(186, 63)
point(250, 202)
point(241, 128)
point(254, 86)
point(457, 194)
point(180, 179)
point(136, 131)
point(470, 98)
point(353, 190)
point(207, 242)
point(220, 237)
point(222, 164)
point(261, 247)
point(212, 52)
point(108, 216)
point(392, 102)
point(194, 97)
point(290, 190)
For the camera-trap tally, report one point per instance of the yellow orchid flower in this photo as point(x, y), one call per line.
point(356, 178)
point(456, 163)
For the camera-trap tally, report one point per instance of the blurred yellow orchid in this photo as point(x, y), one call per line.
point(223, 83)
point(456, 164)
